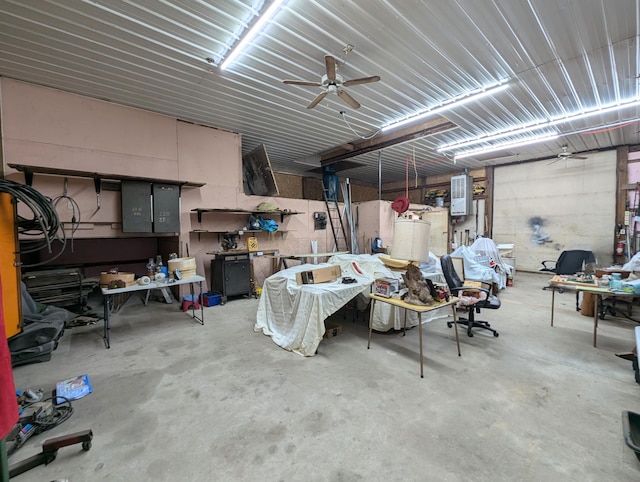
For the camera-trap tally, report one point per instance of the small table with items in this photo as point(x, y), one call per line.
point(110, 293)
point(419, 309)
point(587, 286)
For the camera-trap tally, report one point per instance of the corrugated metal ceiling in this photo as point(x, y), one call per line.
point(558, 57)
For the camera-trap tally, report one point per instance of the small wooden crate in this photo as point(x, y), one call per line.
point(107, 278)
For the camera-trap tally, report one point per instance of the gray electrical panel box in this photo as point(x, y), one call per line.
point(461, 195)
point(136, 207)
point(166, 208)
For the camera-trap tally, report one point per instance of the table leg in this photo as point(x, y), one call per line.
point(420, 336)
point(193, 300)
point(553, 299)
point(404, 325)
point(455, 326)
point(107, 308)
point(201, 305)
point(596, 297)
point(373, 302)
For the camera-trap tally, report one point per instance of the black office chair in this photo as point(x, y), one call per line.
point(570, 262)
point(457, 288)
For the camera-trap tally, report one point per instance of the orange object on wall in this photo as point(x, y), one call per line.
point(9, 271)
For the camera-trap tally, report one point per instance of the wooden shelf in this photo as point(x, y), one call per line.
point(281, 213)
point(29, 171)
point(238, 232)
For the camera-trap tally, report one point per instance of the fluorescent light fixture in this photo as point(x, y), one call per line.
point(506, 145)
point(540, 125)
point(251, 33)
point(455, 102)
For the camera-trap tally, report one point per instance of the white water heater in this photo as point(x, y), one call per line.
point(461, 195)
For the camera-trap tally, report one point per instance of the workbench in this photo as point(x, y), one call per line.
point(110, 293)
point(599, 294)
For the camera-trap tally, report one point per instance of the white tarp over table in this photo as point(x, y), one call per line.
point(293, 315)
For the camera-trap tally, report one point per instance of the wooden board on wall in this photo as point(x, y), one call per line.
point(439, 233)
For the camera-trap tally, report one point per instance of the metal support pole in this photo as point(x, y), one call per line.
point(379, 175)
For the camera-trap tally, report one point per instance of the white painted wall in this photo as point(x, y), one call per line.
point(574, 199)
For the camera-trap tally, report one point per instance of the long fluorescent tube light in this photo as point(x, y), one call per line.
point(251, 33)
point(505, 145)
point(539, 125)
point(457, 101)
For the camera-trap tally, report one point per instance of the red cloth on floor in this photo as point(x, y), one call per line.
point(8, 399)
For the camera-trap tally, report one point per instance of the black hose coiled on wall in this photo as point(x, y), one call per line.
point(44, 223)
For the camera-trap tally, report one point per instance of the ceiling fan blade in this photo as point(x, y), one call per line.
point(302, 82)
point(363, 80)
point(330, 64)
point(580, 157)
point(317, 100)
point(348, 99)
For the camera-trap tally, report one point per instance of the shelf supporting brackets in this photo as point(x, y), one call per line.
point(28, 177)
point(97, 181)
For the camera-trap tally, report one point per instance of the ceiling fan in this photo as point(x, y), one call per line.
point(332, 82)
point(566, 154)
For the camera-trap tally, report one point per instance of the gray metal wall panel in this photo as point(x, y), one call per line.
point(166, 208)
point(136, 207)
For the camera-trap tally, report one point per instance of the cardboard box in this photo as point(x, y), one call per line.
point(318, 275)
point(332, 329)
point(385, 286)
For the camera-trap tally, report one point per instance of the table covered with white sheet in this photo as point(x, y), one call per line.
point(293, 315)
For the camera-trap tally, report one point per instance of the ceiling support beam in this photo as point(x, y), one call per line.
point(422, 129)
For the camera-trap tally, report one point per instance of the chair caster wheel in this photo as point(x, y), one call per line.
point(469, 334)
point(496, 334)
point(86, 446)
point(449, 324)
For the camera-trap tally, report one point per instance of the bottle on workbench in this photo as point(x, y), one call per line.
point(151, 268)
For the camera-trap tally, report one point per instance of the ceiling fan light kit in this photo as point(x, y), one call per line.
point(333, 83)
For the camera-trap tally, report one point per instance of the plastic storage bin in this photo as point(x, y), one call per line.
point(210, 299)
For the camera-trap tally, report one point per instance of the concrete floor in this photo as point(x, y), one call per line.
point(174, 400)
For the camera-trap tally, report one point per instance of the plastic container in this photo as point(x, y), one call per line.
point(210, 299)
point(616, 282)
